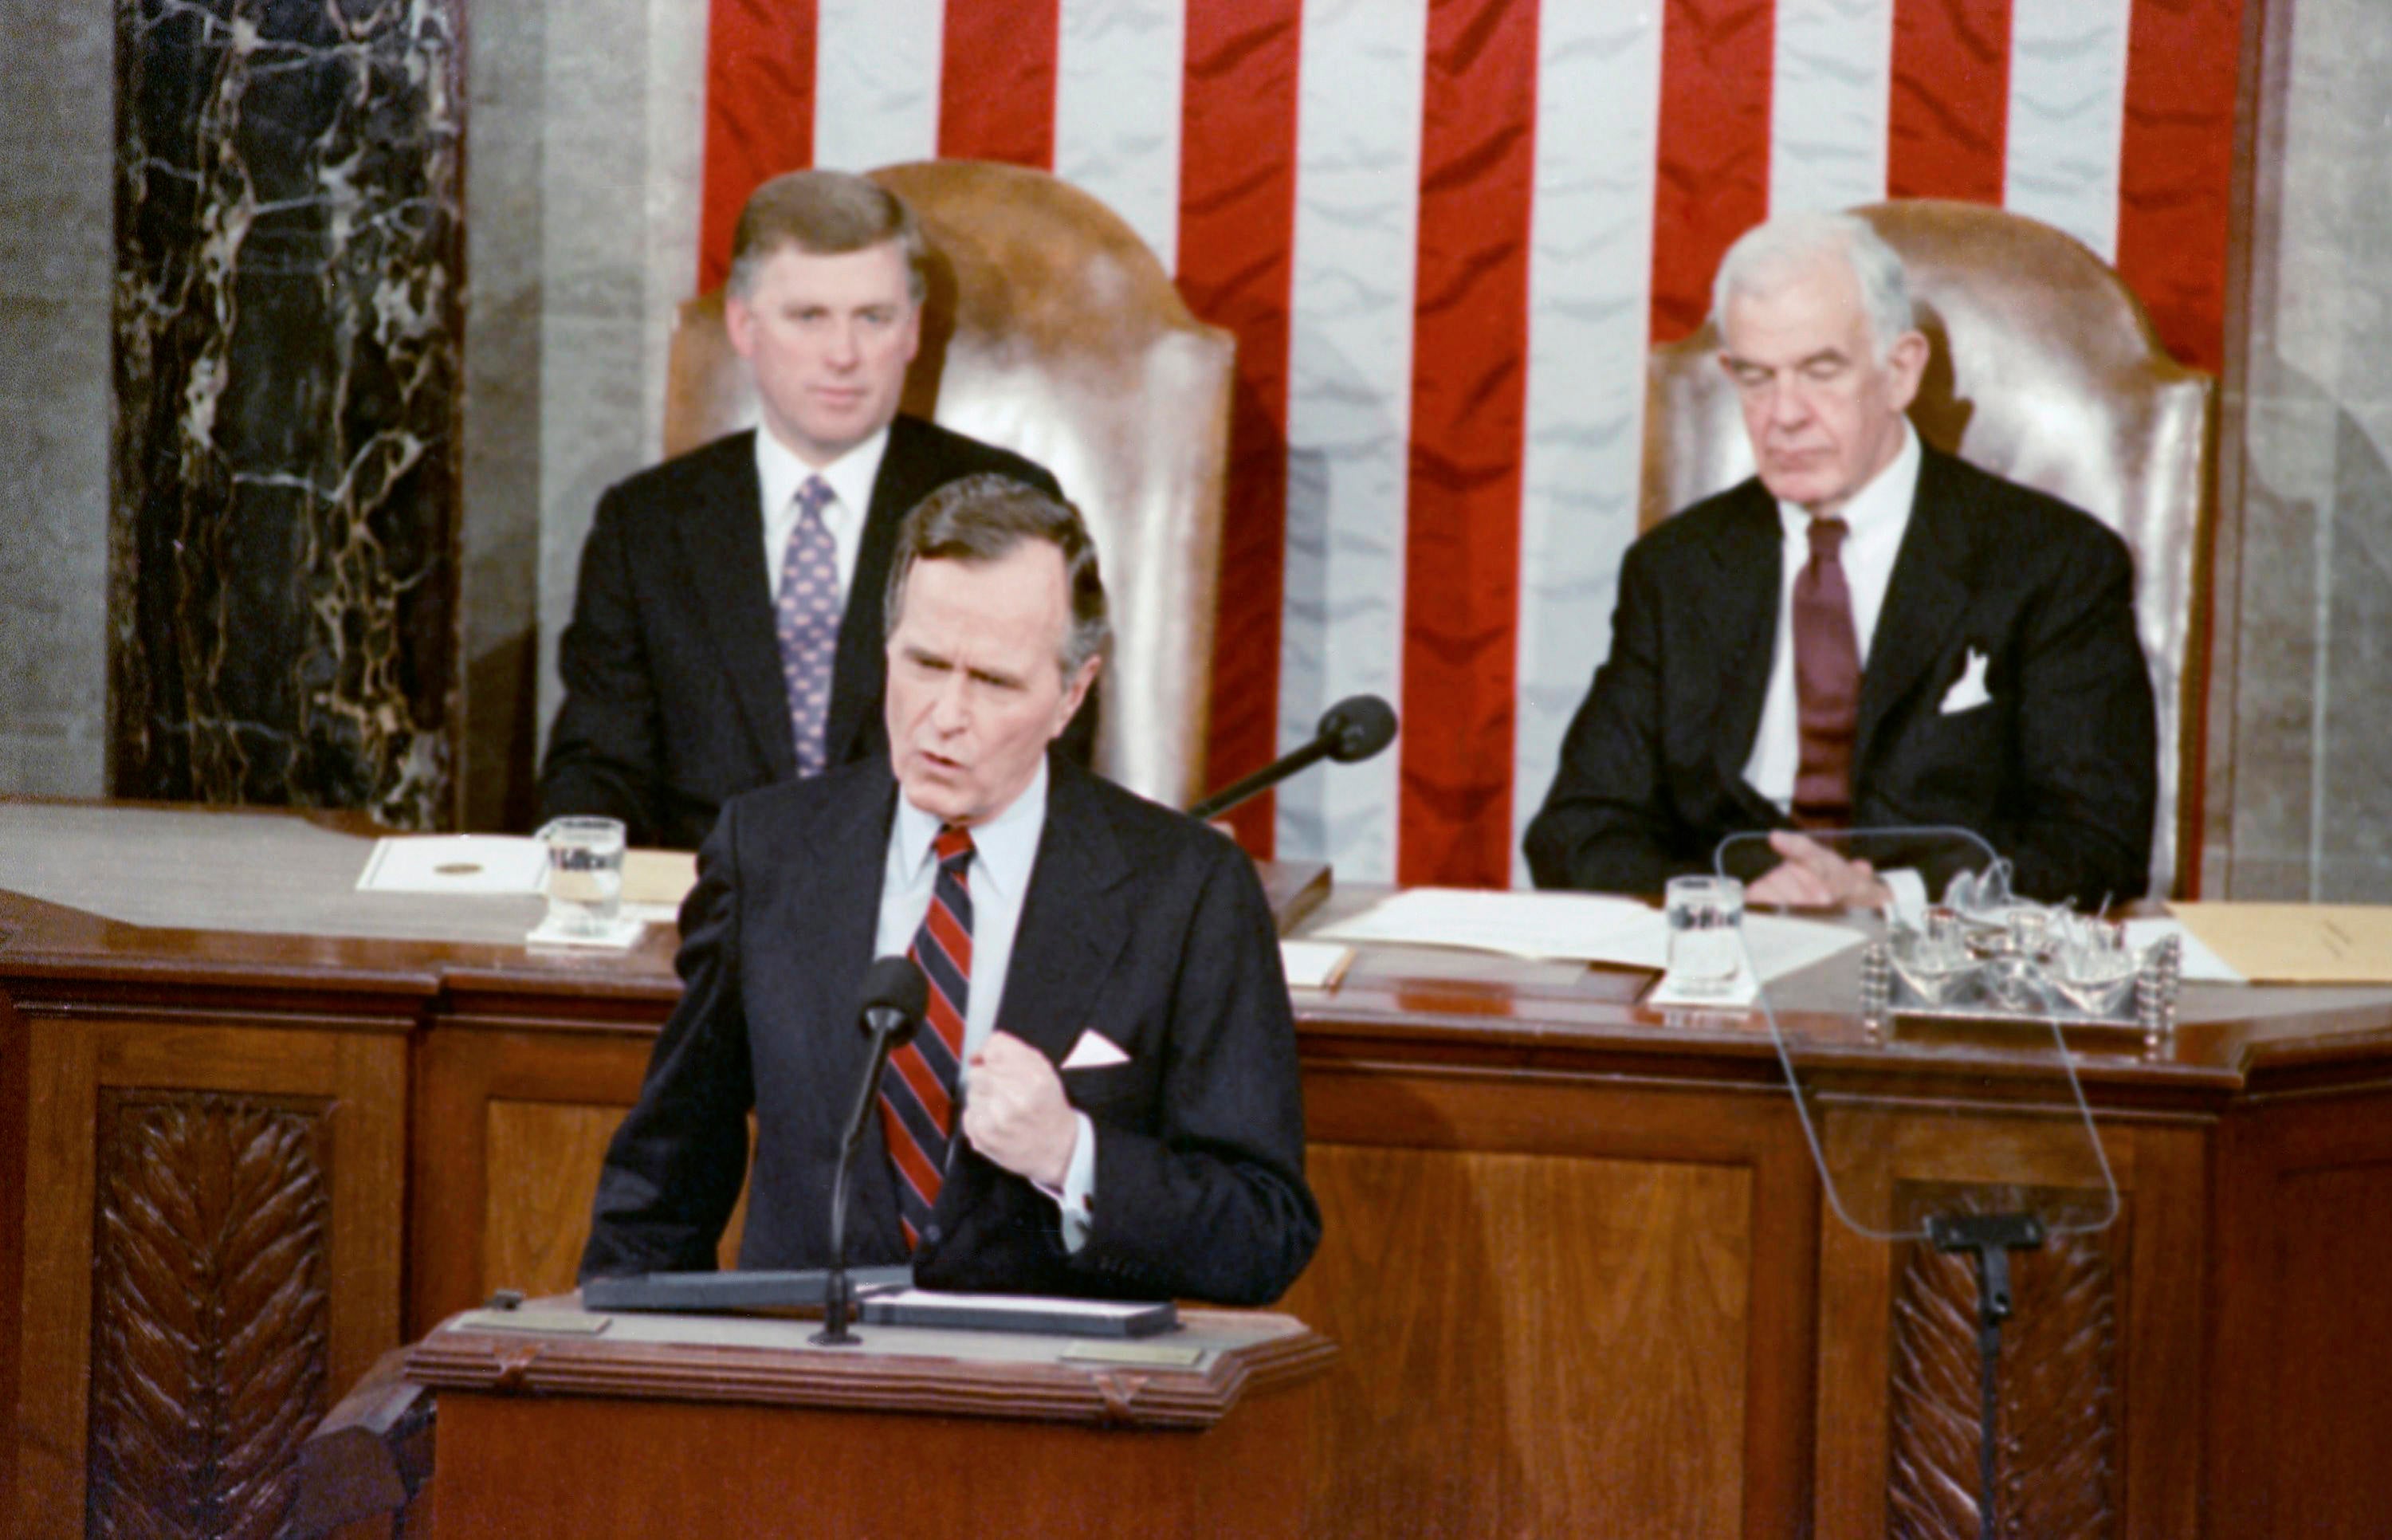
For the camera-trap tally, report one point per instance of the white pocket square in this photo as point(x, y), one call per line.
point(1968, 691)
point(1094, 1051)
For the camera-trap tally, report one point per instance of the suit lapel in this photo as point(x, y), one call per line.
point(1743, 614)
point(836, 921)
point(1071, 929)
point(1925, 598)
point(722, 548)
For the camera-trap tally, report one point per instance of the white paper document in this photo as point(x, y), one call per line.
point(455, 863)
point(1574, 926)
point(1313, 964)
point(2196, 962)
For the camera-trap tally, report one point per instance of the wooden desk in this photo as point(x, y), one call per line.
point(726, 1427)
point(1577, 1257)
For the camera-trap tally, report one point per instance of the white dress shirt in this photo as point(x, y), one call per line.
point(1004, 851)
point(781, 472)
point(1876, 519)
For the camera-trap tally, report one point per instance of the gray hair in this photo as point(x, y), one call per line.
point(1764, 255)
point(824, 214)
point(983, 518)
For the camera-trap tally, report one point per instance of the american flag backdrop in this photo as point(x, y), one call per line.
point(1445, 233)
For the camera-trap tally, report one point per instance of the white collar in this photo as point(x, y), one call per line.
point(1004, 848)
point(851, 476)
point(1882, 506)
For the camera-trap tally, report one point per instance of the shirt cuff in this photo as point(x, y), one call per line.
point(1909, 890)
point(1077, 1200)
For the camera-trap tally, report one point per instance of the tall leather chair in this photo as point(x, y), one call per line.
point(2046, 370)
point(1051, 330)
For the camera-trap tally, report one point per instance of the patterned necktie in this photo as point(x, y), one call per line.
point(807, 614)
point(918, 1102)
point(1826, 681)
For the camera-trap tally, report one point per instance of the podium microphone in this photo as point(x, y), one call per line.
point(1352, 730)
point(895, 995)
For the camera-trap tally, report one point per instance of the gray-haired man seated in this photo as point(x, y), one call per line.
point(1868, 633)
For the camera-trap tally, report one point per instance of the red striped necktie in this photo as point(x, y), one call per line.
point(918, 1102)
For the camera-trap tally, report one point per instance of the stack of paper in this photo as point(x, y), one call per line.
point(1573, 926)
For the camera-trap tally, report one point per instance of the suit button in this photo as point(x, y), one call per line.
point(931, 1235)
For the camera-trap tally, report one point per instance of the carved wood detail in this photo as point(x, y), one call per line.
point(210, 1310)
point(2058, 1462)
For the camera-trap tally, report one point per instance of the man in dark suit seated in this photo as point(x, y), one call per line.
point(714, 649)
point(1107, 1008)
point(1870, 633)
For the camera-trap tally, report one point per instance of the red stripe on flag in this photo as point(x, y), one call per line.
point(996, 82)
point(2176, 169)
point(1950, 117)
point(1712, 171)
point(1237, 238)
point(760, 112)
point(1470, 346)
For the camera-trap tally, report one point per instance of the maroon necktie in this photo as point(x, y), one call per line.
point(1826, 681)
point(918, 1102)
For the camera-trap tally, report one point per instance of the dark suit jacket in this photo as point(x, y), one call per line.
point(2057, 771)
point(1139, 924)
point(673, 698)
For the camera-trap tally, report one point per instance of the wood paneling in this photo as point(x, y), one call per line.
point(520, 1469)
point(1599, 1293)
point(232, 1197)
point(2057, 1466)
point(2336, 1229)
point(514, 1128)
point(536, 1215)
point(1580, 1327)
point(2084, 1448)
point(483, 1221)
point(2302, 1322)
point(212, 1310)
point(1577, 1256)
point(544, 1160)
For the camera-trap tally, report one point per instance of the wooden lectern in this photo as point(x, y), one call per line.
point(554, 1422)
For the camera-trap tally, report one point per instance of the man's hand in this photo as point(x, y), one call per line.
point(1811, 875)
point(1015, 1111)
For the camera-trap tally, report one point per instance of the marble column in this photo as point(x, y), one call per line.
point(2301, 741)
point(288, 319)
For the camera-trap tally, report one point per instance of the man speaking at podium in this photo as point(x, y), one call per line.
point(1103, 1099)
point(1870, 633)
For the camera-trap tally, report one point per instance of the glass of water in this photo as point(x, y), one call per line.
point(1706, 917)
point(585, 874)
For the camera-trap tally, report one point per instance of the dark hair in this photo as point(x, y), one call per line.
point(983, 518)
point(827, 213)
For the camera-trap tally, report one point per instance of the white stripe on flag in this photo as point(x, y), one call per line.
point(1590, 264)
point(1117, 87)
point(876, 81)
point(1830, 103)
point(1349, 412)
point(2068, 115)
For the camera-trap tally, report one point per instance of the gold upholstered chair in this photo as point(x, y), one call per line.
point(2045, 370)
point(1051, 330)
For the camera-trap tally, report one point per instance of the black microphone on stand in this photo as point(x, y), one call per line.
point(895, 995)
point(1354, 729)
